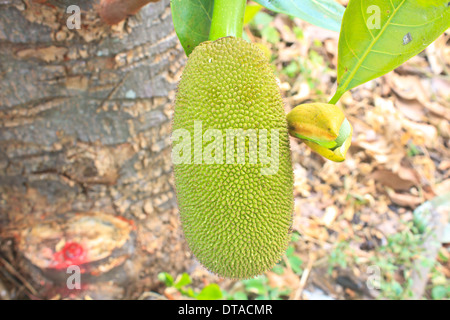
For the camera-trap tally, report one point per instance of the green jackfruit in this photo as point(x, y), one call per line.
point(235, 207)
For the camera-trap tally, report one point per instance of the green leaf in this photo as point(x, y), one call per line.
point(439, 292)
point(295, 263)
point(240, 296)
point(184, 280)
point(279, 270)
point(192, 21)
point(210, 292)
point(270, 34)
point(190, 293)
point(290, 251)
point(397, 288)
point(166, 278)
point(323, 13)
point(295, 236)
point(379, 35)
point(256, 286)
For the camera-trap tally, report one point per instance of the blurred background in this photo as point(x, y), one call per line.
point(86, 177)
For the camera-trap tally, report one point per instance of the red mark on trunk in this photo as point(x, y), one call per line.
point(73, 253)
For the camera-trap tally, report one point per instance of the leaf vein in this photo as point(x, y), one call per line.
point(415, 25)
point(204, 9)
point(375, 70)
point(392, 4)
point(369, 49)
point(393, 53)
point(351, 50)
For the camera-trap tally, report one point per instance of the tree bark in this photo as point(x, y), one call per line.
point(85, 117)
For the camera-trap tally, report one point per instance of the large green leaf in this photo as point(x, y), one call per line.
point(192, 21)
point(323, 13)
point(368, 50)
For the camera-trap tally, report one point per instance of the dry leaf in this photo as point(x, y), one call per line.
point(405, 200)
point(288, 280)
point(411, 109)
point(442, 188)
point(402, 180)
point(330, 215)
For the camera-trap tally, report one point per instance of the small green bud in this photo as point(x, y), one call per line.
point(323, 127)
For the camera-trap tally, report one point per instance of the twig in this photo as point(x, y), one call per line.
point(304, 279)
point(11, 270)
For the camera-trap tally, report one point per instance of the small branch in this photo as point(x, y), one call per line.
point(114, 11)
point(299, 292)
point(16, 274)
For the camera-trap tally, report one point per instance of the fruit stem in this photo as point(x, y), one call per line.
point(336, 96)
point(228, 19)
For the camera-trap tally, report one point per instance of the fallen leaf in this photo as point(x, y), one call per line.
point(442, 188)
point(400, 181)
point(330, 215)
point(413, 109)
point(405, 200)
point(406, 87)
point(288, 280)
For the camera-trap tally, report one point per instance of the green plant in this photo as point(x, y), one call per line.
point(251, 289)
point(261, 24)
point(258, 289)
point(440, 286)
point(255, 289)
point(209, 292)
point(398, 260)
point(339, 256)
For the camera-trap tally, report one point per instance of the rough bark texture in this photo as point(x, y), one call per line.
point(85, 119)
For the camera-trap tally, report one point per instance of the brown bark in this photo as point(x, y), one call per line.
point(85, 121)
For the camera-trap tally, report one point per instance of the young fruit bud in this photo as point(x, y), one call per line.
point(323, 127)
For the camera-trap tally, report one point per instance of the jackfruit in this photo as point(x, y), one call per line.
point(235, 207)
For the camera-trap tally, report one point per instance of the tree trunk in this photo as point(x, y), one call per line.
point(85, 117)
